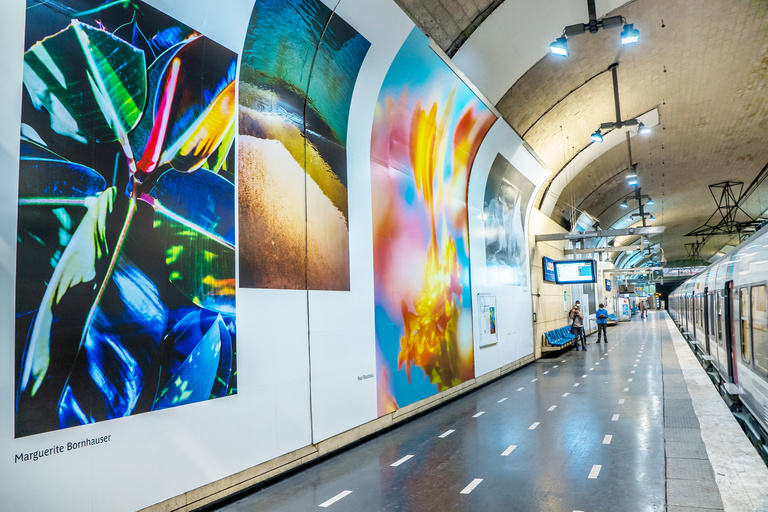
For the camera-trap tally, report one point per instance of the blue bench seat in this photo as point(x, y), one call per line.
point(559, 337)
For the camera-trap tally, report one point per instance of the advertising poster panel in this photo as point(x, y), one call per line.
point(427, 129)
point(125, 284)
point(299, 67)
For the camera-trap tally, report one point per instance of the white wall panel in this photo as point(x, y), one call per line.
point(514, 313)
point(343, 351)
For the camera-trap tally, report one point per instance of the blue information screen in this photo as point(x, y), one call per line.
point(607, 285)
point(575, 271)
point(548, 264)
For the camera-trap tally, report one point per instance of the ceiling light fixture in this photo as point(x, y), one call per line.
point(643, 130)
point(559, 47)
point(629, 35)
point(633, 181)
point(597, 136)
point(624, 204)
point(651, 218)
point(649, 202)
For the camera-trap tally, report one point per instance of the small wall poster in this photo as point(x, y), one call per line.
point(488, 332)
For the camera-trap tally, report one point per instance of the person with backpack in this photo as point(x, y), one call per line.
point(577, 326)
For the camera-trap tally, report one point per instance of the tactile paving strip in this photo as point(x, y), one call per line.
point(685, 450)
point(691, 485)
point(678, 407)
point(694, 493)
point(689, 469)
point(680, 421)
point(688, 435)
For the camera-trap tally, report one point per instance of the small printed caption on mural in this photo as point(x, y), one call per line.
point(60, 448)
point(363, 377)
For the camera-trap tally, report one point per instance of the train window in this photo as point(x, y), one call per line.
point(719, 320)
point(744, 314)
point(760, 327)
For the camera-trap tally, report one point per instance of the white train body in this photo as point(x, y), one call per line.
point(725, 310)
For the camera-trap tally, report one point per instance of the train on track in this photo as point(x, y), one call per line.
point(723, 312)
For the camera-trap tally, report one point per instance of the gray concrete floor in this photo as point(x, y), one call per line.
point(609, 429)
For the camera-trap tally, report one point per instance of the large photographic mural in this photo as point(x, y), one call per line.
point(427, 129)
point(507, 195)
point(299, 67)
point(125, 288)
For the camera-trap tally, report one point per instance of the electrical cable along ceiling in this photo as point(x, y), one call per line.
point(701, 65)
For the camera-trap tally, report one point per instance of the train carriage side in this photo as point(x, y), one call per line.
point(726, 309)
point(750, 324)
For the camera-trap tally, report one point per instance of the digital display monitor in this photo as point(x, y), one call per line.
point(607, 285)
point(548, 264)
point(575, 271)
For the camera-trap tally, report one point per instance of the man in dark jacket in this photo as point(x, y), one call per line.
point(577, 327)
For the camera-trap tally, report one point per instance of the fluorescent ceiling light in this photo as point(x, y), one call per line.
point(559, 47)
point(643, 130)
point(650, 202)
point(624, 204)
point(633, 181)
point(629, 35)
point(597, 136)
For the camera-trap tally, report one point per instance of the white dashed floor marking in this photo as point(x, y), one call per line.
point(534, 425)
point(336, 498)
point(552, 408)
point(607, 439)
point(397, 463)
point(446, 433)
point(509, 450)
point(615, 417)
point(478, 414)
point(474, 483)
point(595, 471)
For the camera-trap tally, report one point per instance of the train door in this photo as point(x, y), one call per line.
point(685, 300)
point(693, 313)
point(729, 331)
point(706, 318)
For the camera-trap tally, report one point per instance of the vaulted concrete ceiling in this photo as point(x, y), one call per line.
point(702, 64)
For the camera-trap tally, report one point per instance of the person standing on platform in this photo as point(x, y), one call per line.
point(570, 315)
point(602, 322)
point(577, 327)
point(642, 309)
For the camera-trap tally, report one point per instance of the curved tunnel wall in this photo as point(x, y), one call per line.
point(243, 231)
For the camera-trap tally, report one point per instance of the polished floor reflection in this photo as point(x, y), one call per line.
point(583, 431)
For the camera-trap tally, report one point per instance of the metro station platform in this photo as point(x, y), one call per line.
point(632, 425)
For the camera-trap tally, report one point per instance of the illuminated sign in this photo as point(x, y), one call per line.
point(575, 271)
point(548, 264)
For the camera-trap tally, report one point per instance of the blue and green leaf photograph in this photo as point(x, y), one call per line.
point(125, 274)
